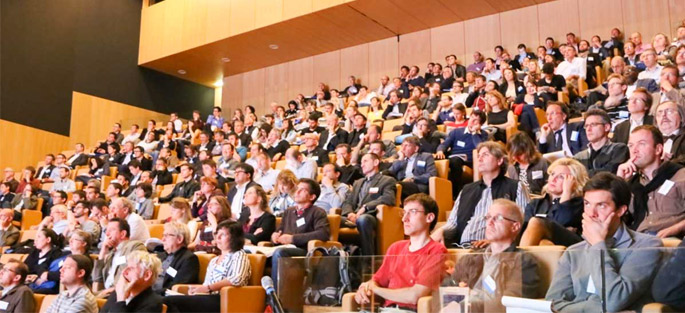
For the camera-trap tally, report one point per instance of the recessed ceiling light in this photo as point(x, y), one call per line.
point(225, 60)
point(273, 46)
point(182, 72)
point(219, 83)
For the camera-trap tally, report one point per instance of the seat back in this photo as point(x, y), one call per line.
point(8, 256)
point(390, 135)
point(389, 220)
point(441, 191)
point(174, 177)
point(30, 218)
point(204, 259)
point(47, 301)
point(166, 190)
point(38, 299)
point(257, 263)
point(280, 164)
point(164, 211)
point(541, 115)
point(46, 186)
point(398, 195)
point(443, 168)
point(27, 234)
point(548, 260)
point(156, 230)
point(334, 224)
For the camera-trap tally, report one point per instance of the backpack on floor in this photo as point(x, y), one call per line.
point(328, 276)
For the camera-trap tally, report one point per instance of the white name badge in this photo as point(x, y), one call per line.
point(537, 174)
point(623, 114)
point(119, 260)
point(461, 143)
point(208, 229)
point(591, 58)
point(541, 215)
point(171, 271)
point(421, 163)
point(373, 190)
point(490, 284)
point(4, 305)
point(300, 222)
point(41, 261)
point(520, 88)
point(591, 286)
point(574, 135)
point(315, 158)
point(666, 187)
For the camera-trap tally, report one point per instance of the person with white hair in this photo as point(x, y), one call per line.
point(179, 265)
point(133, 291)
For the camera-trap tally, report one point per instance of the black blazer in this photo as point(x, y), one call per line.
point(576, 146)
point(163, 177)
point(187, 267)
point(320, 156)
point(82, 159)
point(339, 137)
point(381, 190)
point(209, 146)
point(146, 301)
point(518, 86)
point(182, 189)
point(47, 173)
point(267, 222)
point(622, 130)
point(389, 108)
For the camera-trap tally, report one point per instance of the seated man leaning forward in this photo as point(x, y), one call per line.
point(628, 259)
point(412, 268)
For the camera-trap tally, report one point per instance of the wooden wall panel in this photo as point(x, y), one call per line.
point(220, 27)
point(446, 40)
point(171, 30)
point(242, 16)
point(520, 26)
point(383, 60)
point(268, 12)
point(327, 69)
point(276, 84)
point(253, 89)
point(232, 93)
point(301, 77)
point(415, 48)
point(151, 22)
point(92, 118)
point(22, 145)
point(295, 8)
point(355, 61)
point(599, 20)
point(194, 23)
point(647, 17)
point(557, 18)
point(482, 34)
point(676, 9)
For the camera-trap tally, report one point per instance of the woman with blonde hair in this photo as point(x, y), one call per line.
point(499, 116)
point(256, 218)
point(284, 190)
point(526, 163)
point(557, 216)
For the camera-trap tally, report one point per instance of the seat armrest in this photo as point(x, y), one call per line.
point(326, 244)
point(348, 303)
point(424, 304)
point(656, 308)
point(265, 244)
point(183, 288)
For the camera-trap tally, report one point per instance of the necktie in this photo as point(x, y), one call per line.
point(558, 141)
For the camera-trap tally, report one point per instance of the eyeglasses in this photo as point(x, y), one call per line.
point(410, 211)
point(237, 172)
point(593, 125)
point(666, 112)
point(498, 218)
point(164, 235)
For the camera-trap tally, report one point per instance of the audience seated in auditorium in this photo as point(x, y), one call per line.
point(413, 169)
point(301, 166)
point(466, 223)
point(557, 215)
point(115, 247)
point(411, 268)
point(359, 209)
point(657, 185)
point(184, 188)
point(333, 192)
point(627, 270)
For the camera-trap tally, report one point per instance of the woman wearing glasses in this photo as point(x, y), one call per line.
point(558, 214)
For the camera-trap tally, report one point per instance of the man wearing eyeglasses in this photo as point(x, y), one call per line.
point(186, 187)
point(179, 265)
point(669, 89)
point(506, 271)
point(601, 154)
point(79, 220)
point(559, 135)
point(669, 120)
point(412, 268)
point(16, 296)
point(244, 174)
point(638, 106)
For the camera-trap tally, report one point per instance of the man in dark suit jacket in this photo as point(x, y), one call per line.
point(19, 298)
point(45, 171)
point(183, 266)
point(359, 210)
point(244, 179)
point(394, 108)
point(186, 187)
point(6, 196)
point(313, 152)
point(602, 155)
point(79, 158)
point(9, 234)
point(638, 106)
point(413, 169)
point(205, 142)
point(333, 135)
point(358, 131)
point(133, 290)
point(558, 134)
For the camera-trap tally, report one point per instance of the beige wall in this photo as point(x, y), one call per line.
point(529, 25)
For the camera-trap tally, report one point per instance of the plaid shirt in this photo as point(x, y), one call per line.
point(82, 301)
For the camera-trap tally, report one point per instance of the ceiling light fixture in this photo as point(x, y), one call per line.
point(273, 46)
point(225, 60)
point(182, 72)
point(219, 83)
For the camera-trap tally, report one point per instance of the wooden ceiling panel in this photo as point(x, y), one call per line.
point(342, 24)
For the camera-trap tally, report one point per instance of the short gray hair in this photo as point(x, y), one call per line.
point(146, 261)
point(178, 229)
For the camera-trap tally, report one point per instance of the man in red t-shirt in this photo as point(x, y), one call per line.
point(411, 268)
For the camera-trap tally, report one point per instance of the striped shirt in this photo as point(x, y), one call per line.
point(475, 227)
point(82, 301)
point(234, 267)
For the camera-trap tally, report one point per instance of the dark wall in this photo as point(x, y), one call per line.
point(50, 48)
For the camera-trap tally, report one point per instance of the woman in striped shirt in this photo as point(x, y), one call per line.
point(231, 268)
